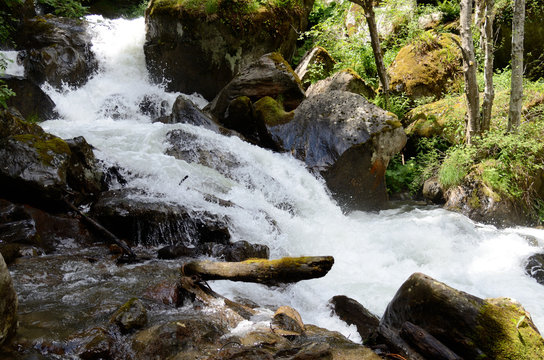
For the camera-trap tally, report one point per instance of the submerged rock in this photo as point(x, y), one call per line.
point(200, 49)
point(469, 326)
point(57, 50)
point(347, 139)
point(131, 316)
point(8, 304)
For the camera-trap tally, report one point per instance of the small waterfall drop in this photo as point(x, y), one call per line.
point(280, 204)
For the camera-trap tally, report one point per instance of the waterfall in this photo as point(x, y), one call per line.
point(277, 202)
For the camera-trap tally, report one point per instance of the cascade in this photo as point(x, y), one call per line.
point(277, 202)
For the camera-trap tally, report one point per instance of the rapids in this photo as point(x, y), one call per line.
point(277, 203)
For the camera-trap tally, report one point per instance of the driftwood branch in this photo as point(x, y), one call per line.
point(102, 230)
point(268, 272)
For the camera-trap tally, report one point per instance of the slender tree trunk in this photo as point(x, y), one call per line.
point(469, 69)
point(370, 17)
point(516, 94)
point(486, 32)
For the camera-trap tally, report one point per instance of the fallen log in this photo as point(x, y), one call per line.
point(268, 272)
point(426, 344)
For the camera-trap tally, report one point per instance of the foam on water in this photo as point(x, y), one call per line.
point(280, 204)
point(12, 66)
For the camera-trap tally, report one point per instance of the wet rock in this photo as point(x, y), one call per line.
point(426, 67)
point(8, 304)
point(287, 322)
point(195, 334)
point(433, 191)
point(84, 174)
point(242, 250)
point(131, 316)
point(153, 106)
point(177, 251)
point(30, 100)
point(131, 215)
point(270, 75)
point(29, 226)
point(469, 326)
point(10, 252)
point(57, 50)
point(353, 313)
point(345, 80)
point(198, 51)
point(96, 344)
point(186, 112)
point(315, 65)
point(534, 267)
point(347, 139)
point(166, 292)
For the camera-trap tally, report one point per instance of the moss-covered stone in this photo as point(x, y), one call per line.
point(46, 146)
point(427, 66)
point(271, 112)
point(130, 316)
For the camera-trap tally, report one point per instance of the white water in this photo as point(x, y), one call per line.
point(12, 67)
point(374, 253)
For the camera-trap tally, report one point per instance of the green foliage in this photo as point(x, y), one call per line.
point(455, 166)
point(136, 10)
point(450, 9)
point(5, 91)
point(67, 8)
point(398, 104)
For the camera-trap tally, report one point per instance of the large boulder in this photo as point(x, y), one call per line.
point(347, 139)
point(270, 75)
point(427, 66)
point(131, 215)
point(31, 101)
point(8, 304)
point(57, 50)
point(184, 111)
point(199, 48)
point(345, 80)
point(471, 327)
point(316, 64)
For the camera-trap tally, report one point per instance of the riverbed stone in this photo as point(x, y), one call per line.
point(130, 316)
point(349, 141)
point(200, 49)
point(469, 326)
point(57, 50)
point(8, 304)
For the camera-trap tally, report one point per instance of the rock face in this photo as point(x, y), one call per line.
point(477, 201)
point(8, 303)
point(345, 80)
point(199, 49)
point(348, 140)
point(316, 64)
point(131, 216)
point(57, 50)
point(426, 67)
point(270, 75)
point(30, 100)
point(469, 326)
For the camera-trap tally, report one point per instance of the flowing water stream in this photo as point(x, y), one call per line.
point(277, 203)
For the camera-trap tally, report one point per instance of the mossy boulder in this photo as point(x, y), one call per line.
point(8, 304)
point(57, 50)
point(130, 316)
point(471, 327)
point(345, 80)
point(30, 100)
point(201, 46)
point(315, 65)
point(270, 75)
point(272, 113)
point(427, 66)
point(349, 140)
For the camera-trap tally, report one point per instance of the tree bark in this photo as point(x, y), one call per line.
point(426, 344)
point(268, 272)
point(486, 33)
point(469, 69)
point(370, 17)
point(516, 94)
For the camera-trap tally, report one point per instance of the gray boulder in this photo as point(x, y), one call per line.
point(316, 64)
point(349, 141)
point(345, 80)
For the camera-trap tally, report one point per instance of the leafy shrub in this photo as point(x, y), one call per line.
point(67, 8)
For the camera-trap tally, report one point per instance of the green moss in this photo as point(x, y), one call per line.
point(272, 113)
point(283, 65)
point(47, 146)
point(505, 331)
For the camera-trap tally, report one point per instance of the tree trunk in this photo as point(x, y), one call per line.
point(268, 272)
point(370, 17)
point(469, 69)
point(486, 34)
point(516, 94)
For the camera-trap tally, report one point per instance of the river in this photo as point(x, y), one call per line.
point(277, 203)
